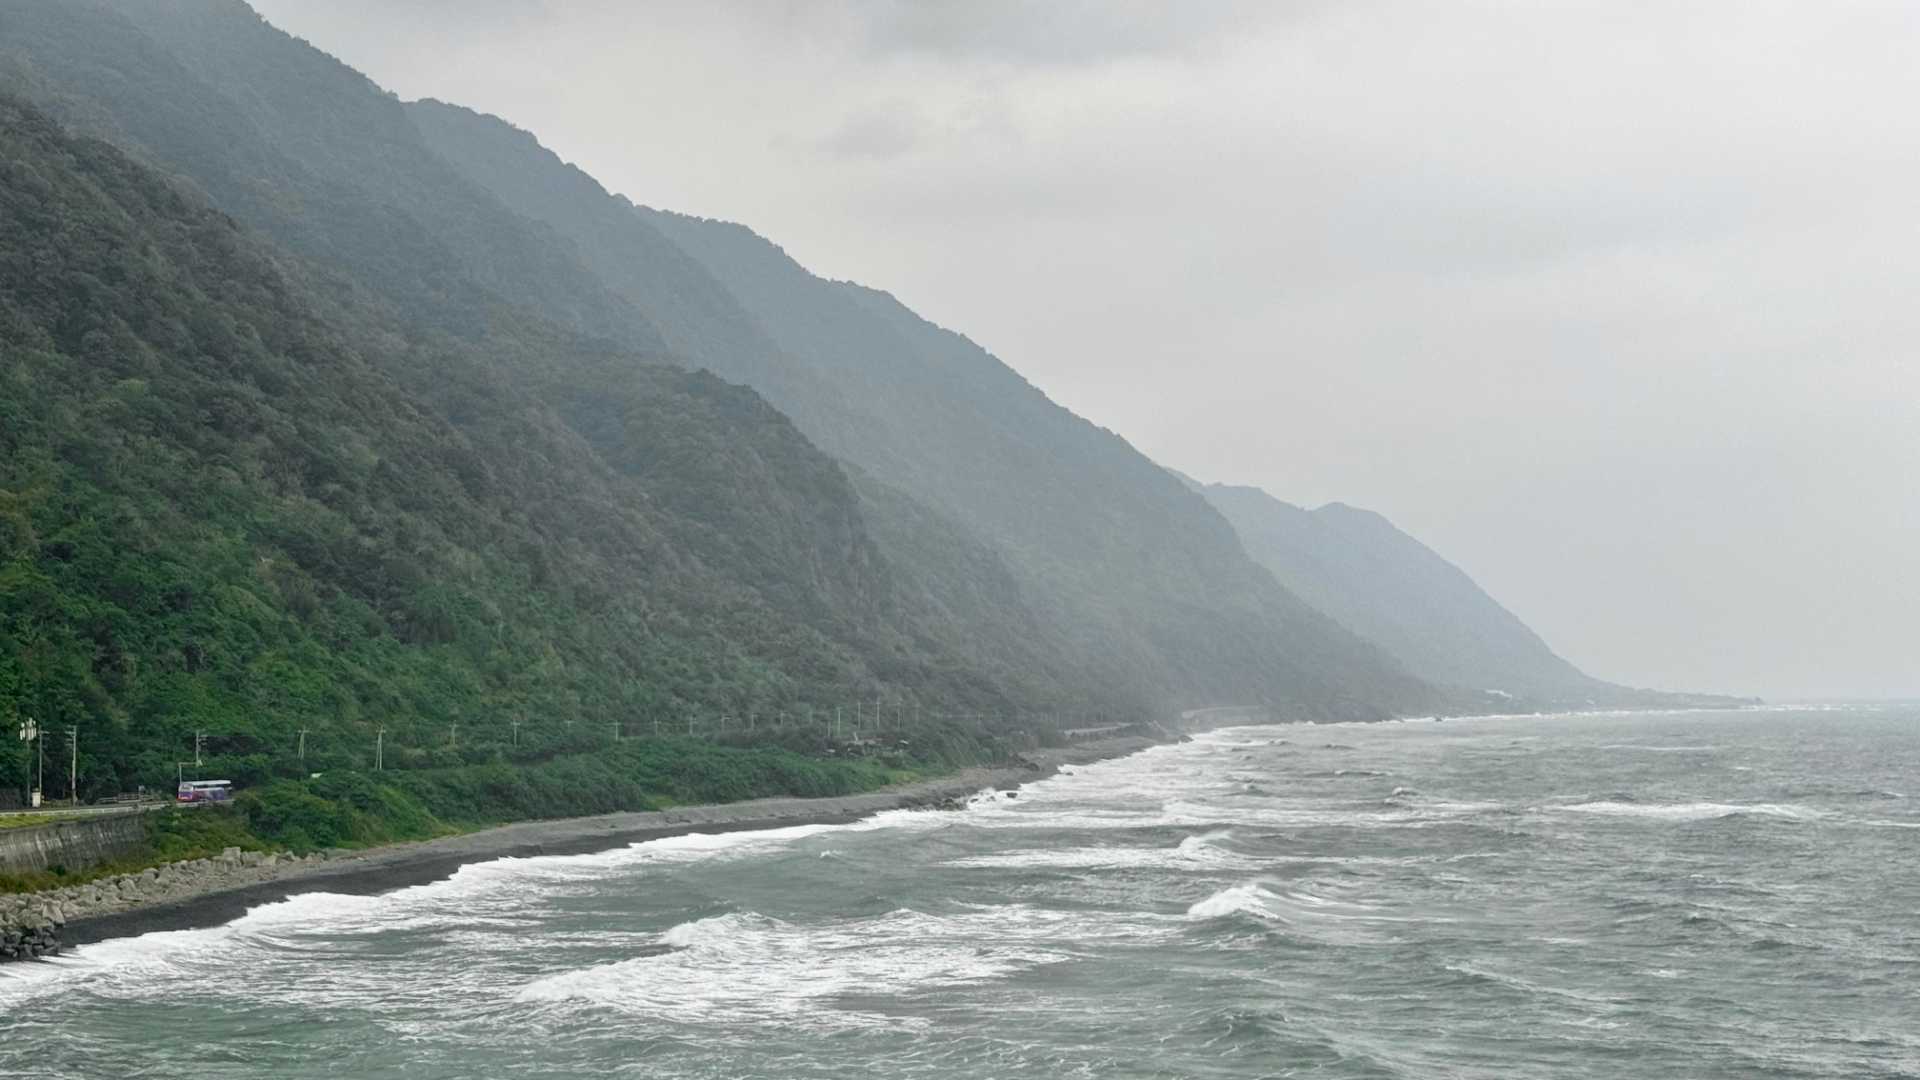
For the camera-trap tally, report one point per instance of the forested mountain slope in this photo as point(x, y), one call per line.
point(235, 498)
point(1052, 554)
point(296, 144)
point(1149, 585)
point(1356, 566)
point(955, 572)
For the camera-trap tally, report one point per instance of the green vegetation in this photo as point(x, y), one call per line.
point(244, 498)
point(328, 423)
point(26, 881)
point(348, 809)
point(224, 511)
point(352, 809)
point(177, 834)
point(1031, 558)
point(1035, 533)
point(172, 835)
point(22, 821)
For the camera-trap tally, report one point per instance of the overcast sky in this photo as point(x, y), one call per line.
point(1615, 304)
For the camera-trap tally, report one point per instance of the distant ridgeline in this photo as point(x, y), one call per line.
point(325, 413)
point(1356, 566)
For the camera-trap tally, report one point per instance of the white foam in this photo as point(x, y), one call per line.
point(509, 891)
point(126, 960)
point(1248, 898)
point(1272, 902)
point(1528, 985)
point(1201, 846)
point(749, 968)
point(1198, 852)
point(720, 931)
point(1692, 811)
point(1661, 749)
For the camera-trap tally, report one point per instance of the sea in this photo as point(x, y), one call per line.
point(1692, 894)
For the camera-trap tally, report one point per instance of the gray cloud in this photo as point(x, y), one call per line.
point(875, 133)
point(1607, 301)
point(1058, 32)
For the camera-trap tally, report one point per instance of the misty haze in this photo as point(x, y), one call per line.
point(900, 538)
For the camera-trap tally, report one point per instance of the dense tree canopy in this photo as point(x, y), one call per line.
point(228, 509)
point(330, 421)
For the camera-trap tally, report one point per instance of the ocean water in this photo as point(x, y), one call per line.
point(1658, 895)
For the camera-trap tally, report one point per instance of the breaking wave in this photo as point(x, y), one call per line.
point(1693, 811)
point(751, 968)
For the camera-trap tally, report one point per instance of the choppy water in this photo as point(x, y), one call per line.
point(1698, 895)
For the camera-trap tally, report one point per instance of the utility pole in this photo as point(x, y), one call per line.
point(516, 733)
point(199, 740)
point(616, 731)
point(379, 748)
point(73, 766)
point(303, 746)
point(689, 725)
point(30, 730)
point(453, 736)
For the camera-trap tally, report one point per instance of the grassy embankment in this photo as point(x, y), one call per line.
point(356, 809)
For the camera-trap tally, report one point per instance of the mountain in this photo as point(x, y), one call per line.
point(1147, 586)
point(239, 497)
point(1031, 552)
point(296, 144)
point(1356, 566)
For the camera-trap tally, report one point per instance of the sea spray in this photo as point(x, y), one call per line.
point(1542, 906)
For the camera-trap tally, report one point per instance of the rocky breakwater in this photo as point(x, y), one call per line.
point(30, 923)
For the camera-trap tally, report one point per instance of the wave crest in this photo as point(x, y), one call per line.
point(745, 967)
point(1692, 811)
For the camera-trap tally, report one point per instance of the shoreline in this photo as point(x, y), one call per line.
point(398, 866)
point(390, 867)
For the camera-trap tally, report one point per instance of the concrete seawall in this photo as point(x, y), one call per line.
point(75, 843)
